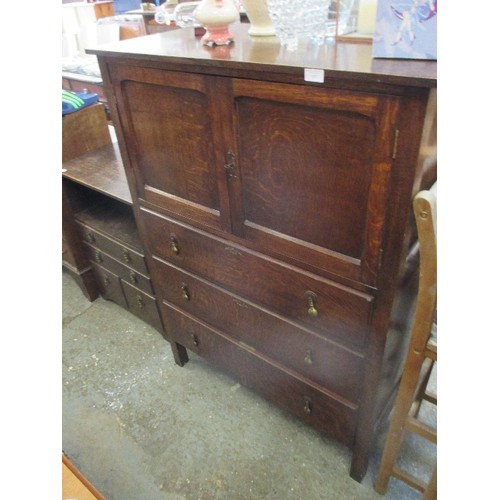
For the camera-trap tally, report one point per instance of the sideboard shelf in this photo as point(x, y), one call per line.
point(87, 170)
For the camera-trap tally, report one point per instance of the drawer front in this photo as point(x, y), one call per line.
point(126, 273)
point(120, 252)
point(142, 305)
point(327, 308)
point(109, 285)
point(331, 366)
point(327, 414)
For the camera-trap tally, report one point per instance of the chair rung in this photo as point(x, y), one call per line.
point(424, 430)
point(431, 354)
point(409, 479)
point(431, 397)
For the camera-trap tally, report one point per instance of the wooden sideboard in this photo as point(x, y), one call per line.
point(272, 191)
point(102, 248)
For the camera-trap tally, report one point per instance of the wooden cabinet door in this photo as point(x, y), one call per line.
point(170, 128)
point(313, 171)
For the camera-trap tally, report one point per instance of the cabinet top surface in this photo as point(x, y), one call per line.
point(265, 55)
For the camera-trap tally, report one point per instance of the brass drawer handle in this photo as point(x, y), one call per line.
point(90, 237)
point(195, 340)
point(133, 277)
point(107, 281)
point(174, 247)
point(126, 255)
point(98, 256)
point(307, 406)
point(308, 358)
point(311, 304)
point(140, 302)
point(185, 292)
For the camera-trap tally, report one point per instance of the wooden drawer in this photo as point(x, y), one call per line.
point(334, 417)
point(124, 272)
point(324, 306)
point(323, 362)
point(142, 305)
point(114, 248)
point(109, 285)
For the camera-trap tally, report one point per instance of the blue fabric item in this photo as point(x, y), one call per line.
point(73, 101)
point(122, 6)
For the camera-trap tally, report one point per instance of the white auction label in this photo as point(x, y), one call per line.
point(314, 75)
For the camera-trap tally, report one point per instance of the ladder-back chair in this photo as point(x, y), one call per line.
point(421, 357)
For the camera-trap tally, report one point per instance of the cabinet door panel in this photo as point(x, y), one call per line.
point(314, 174)
point(304, 188)
point(169, 132)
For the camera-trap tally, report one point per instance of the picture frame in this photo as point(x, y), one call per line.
point(406, 29)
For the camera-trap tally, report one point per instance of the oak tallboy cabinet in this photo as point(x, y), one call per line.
point(275, 212)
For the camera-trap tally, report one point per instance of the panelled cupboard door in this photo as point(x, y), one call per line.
point(312, 177)
point(172, 141)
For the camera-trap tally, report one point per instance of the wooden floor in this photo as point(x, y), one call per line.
point(74, 485)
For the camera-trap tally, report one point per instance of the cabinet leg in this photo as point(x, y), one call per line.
point(180, 353)
point(85, 280)
point(359, 466)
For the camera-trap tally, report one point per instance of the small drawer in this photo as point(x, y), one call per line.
point(328, 308)
point(329, 415)
point(142, 305)
point(116, 249)
point(325, 363)
point(126, 273)
point(109, 285)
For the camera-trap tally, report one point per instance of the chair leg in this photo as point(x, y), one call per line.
point(402, 406)
point(431, 490)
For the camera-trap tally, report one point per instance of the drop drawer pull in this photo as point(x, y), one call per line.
point(312, 299)
point(98, 256)
point(133, 277)
point(308, 358)
point(174, 248)
point(126, 255)
point(185, 292)
point(90, 237)
point(307, 406)
point(140, 302)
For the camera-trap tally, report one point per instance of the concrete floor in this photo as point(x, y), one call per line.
point(140, 427)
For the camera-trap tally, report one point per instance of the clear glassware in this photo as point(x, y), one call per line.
point(343, 17)
point(293, 19)
point(184, 14)
point(286, 17)
point(316, 19)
